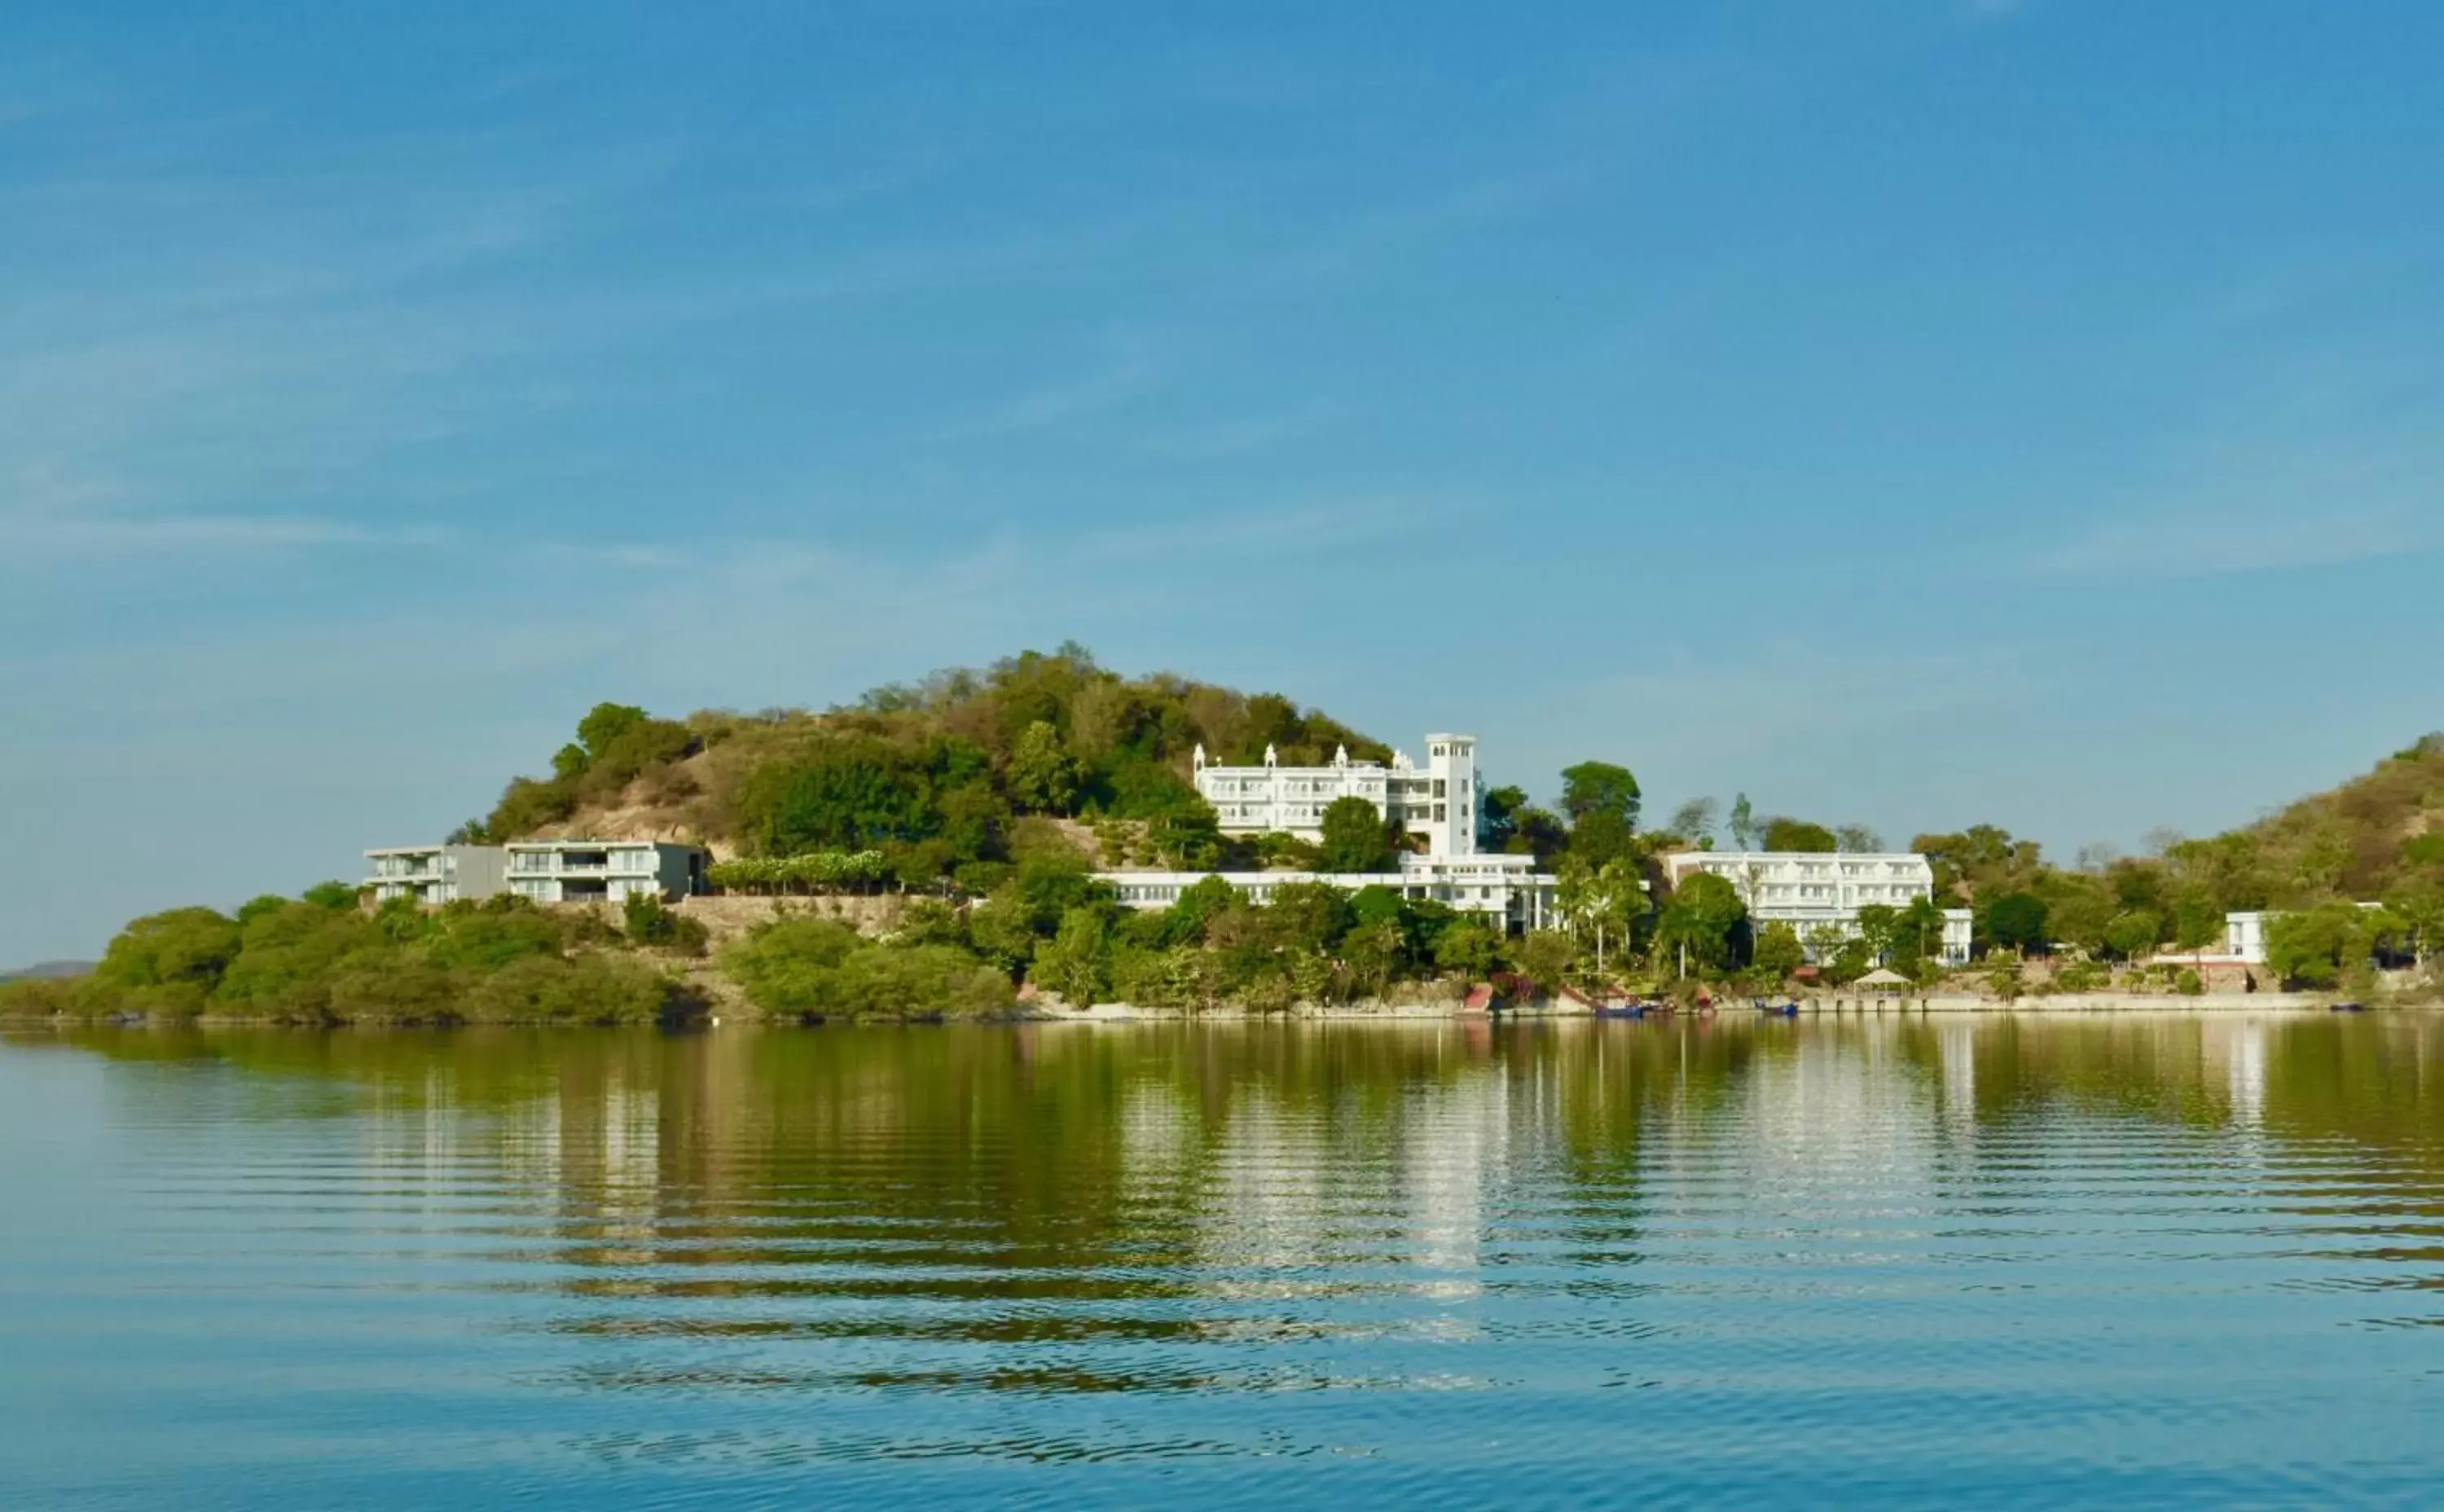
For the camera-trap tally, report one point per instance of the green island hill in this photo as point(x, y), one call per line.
point(931, 850)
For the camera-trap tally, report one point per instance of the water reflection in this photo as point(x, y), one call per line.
point(2064, 1237)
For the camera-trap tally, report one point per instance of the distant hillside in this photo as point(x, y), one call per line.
point(936, 776)
point(2372, 838)
point(50, 970)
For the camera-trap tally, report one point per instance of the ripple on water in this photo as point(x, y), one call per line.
point(1863, 1265)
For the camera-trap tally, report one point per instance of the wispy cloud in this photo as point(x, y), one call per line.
point(2213, 545)
point(1061, 401)
point(125, 535)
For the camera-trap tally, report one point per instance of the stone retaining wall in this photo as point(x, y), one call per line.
point(729, 915)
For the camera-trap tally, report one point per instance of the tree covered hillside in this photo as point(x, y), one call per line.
point(2372, 838)
point(2378, 839)
point(933, 777)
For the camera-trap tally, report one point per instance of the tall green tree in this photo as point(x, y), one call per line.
point(1919, 933)
point(1599, 787)
point(1357, 838)
point(1313, 916)
point(2133, 934)
point(1879, 925)
point(1043, 779)
point(1785, 834)
point(1601, 900)
point(1076, 961)
point(1498, 816)
point(2015, 921)
point(604, 724)
point(1778, 951)
point(1744, 824)
point(1602, 837)
point(1467, 950)
point(172, 958)
point(2314, 947)
point(1695, 820)
point(1186, 833)
point(1702, 927)
point(2078, 913)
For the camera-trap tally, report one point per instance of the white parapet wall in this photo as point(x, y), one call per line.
point(1506, 890)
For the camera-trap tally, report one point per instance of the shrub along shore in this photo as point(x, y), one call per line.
point(1051, 939)
point(1051, 927)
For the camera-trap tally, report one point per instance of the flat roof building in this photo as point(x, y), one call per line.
point(1436, 802)
point(1812, 892)
point(436, 874)
point(605, 871)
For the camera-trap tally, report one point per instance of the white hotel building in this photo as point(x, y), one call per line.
point(1810, 891)
point(1436, 803)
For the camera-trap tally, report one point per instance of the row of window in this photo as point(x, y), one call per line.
point(1165, 893)
point(1825, 891)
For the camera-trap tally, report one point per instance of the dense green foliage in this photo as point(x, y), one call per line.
point(1050, 923)
point(1705, 925)
point(2325, 945)
point(615, 745)
point(990, 789)
point(1798, 835)
point(815, 872)
point(1600, 788)
point(1357, 838)
point(816, 968)
point(2379, 838)
point(934, 778)
point(325, 959)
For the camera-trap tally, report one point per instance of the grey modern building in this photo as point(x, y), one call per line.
point(437, 873)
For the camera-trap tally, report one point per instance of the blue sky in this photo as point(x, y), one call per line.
point(1908, 412)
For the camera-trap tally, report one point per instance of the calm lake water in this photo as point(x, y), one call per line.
point(2162, 1262)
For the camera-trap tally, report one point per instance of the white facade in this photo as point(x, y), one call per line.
point(1505, 891)
point(2244, 939)
point(1810, 891)
point(1436, 801)
point(435, 874)
point(603, 870)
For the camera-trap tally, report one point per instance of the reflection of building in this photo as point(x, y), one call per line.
point(1957, 1049)
point(1281, 1189)
point(435, 874)
point(1813, 891)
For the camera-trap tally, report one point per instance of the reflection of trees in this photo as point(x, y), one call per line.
point(2372, 1080)
point(1193, 1183)
point(1046, 1137)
